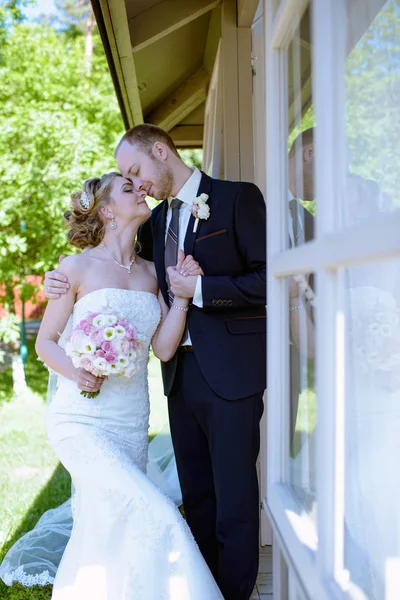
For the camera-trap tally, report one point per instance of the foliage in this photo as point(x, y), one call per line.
point(9, 329)
point(10, 14)
point(372, 102)
point(58, 129)
point(193, 157)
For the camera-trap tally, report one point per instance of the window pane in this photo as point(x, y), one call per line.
point(300, 169)
point(303, 404)
point(372, 473)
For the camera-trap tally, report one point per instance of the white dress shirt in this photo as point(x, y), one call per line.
point(299, 223)
point(187, 194)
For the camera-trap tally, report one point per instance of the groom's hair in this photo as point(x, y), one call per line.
point(145, 136)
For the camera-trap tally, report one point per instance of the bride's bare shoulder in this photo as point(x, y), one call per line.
point(74, 265)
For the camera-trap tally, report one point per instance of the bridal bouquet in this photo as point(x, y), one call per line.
point(104, 344)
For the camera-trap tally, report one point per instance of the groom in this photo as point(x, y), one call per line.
point(215, 382)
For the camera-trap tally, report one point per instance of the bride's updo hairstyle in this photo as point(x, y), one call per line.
point(84, 220)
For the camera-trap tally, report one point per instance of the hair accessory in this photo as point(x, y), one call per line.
point(85, 200)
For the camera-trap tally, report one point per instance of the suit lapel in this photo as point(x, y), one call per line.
point(159, 246)
point(190, 238)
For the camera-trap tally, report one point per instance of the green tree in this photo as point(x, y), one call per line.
point(59, 126)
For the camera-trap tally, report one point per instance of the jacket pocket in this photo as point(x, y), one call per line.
point(247, 325)
point(210, 235)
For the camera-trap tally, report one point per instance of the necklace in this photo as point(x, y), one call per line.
point(127, 267)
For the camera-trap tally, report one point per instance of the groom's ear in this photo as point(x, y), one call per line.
point(159, 150)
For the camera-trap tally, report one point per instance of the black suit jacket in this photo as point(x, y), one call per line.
point(229, 333)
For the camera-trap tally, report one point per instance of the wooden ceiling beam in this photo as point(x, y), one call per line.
point(184, 100)
point(188, 136)
point(164, 18)
point(116, 25)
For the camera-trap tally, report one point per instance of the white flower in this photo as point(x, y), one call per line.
point(114, 368)
point(120, 331)
point(89, 347)
point(111, 319)
point(100, 321)
point(109, 333)
point(102, 365)
point(132, 354)
point(200, 209)
point(122, 361)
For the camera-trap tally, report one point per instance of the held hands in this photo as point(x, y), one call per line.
point(183, 277)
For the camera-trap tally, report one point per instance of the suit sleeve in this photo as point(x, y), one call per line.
point(145, 239)
point(248, 289)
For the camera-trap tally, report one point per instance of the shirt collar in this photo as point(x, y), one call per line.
point(189, 190)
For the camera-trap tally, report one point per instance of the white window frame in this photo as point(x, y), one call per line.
point(316, 572)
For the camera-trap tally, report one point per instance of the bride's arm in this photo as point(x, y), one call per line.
point(54, 321)
point(169, 334)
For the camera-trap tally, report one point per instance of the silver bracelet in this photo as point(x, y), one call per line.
point(180, 308)
point(296, 307)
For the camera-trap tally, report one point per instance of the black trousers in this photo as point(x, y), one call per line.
point(216, 444)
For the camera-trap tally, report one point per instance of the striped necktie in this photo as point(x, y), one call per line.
point(171, 246)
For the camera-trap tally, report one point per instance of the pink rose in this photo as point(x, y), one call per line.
point(121, 346)
point(78, 339)
point(100, 353)
point(87, 328)
point(123, 324)
point(106, 346)
point(87, 363)
point(110, 357)
point(83, 323)
point(130, 333)
point(92, 315)
point(133, 344)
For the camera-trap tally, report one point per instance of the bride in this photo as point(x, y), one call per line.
point(128, 540)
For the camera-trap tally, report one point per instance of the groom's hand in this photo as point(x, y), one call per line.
point(55, 283)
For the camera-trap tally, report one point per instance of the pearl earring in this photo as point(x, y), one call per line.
point(113, 223)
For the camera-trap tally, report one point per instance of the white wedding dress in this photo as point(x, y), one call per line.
point(128, 541)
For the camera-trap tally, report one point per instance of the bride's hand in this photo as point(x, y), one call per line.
point(190, 266)
point(88, 382)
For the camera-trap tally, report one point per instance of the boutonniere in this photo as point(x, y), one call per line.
point(200, 209)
